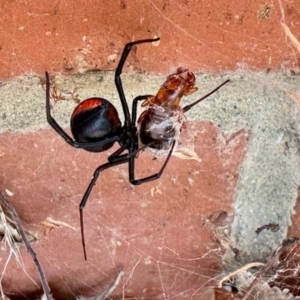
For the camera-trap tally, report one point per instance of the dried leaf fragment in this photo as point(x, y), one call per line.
point(49, 224)
point(107, 292)
point(295, 97)
point(155, 190)
point(186, 153)
point(293, 39)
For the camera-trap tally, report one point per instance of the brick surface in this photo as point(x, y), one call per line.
point(154, 231)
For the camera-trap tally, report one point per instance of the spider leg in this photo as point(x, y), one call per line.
point(133, 152)
point(63, 134)
point(50, 119)
point(132, 140)
point(148, 178)
point(134, 106)
point(188, 107)
point(118, 73)
point(83, 202)
point(118, 160)
point(117, 154)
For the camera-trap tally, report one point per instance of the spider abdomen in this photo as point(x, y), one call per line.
point(95, 119)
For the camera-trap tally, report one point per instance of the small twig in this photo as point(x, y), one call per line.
point(112, 287)
point(17, 222)
point(242, 269)
point(270, 262)
point(108, 291)
point(271, 226)
point(293, 39)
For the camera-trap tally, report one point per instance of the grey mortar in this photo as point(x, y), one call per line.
point(269, 175)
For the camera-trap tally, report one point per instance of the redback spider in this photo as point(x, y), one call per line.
point(95, 124)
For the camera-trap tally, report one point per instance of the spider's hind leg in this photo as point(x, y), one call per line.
point(88, 191)
point(50, 119)
point(152, 177)
point(118, 153)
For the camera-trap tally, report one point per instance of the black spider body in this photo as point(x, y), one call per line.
point(95, 119)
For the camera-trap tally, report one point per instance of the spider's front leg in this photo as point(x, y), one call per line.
point(118, 73)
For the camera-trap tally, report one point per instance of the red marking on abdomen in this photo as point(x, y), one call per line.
point(87, 104)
